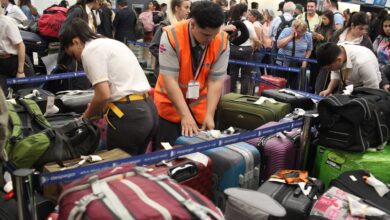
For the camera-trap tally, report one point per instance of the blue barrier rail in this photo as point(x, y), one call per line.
point(44, 78)
point(155, 157)
point(142, 44)
point(263, 65)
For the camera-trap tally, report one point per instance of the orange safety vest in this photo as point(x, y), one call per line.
point(179, 38)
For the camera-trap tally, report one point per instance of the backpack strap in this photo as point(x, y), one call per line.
point(35, 112)
point(15, 121)
point(307, 22)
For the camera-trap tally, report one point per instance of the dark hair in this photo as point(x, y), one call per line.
point(311, 1)
point(12, 2)
point(77, 28)
point(329, 14)
point(256, 14)
point(156, 5)
point(381, 31)
point(207, 14)
point(163, 5)
point(237, 11)
point(222, 3)
point(63, 4)
point(358, 18)
point(327, 53)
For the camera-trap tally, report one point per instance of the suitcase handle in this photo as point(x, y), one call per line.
point(183, 172)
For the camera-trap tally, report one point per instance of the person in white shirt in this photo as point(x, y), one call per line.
point(12, 50)
point(350, 65)
point(13, 11)
point(242, 50)
point(288, 12)
point(120, 86)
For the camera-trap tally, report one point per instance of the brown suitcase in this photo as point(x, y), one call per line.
point(53, 191)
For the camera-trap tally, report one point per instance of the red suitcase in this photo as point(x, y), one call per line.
point(188, 172)
point(271, 82)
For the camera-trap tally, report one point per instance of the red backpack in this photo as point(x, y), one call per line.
point(49, 24)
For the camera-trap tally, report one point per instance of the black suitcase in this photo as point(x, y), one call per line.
point(39, 96)
point(34, 43)
point(288, 96)
point(75, 100)
point(353, 182)
point(297, 205)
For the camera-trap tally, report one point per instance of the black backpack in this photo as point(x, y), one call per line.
point(284, 24)
point(355, 122)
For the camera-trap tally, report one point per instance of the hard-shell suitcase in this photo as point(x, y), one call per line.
point(196, 174)
point(271, 82)
point(34, 43)
point(75, 100)
point(330, 163)
point(291, 197)
point(354, 182)
point(278, 151)
point(234, 165)
point(288, 96)
point(242, 111)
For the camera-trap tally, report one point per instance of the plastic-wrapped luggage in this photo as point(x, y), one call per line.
point(234, 165)
point(75, 100)
point(271, 82)
point(248, 112)
point(129, 192)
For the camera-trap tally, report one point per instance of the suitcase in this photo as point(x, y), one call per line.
point(53, 191)
point(240, 111)
point(75, 100)
point(278, 151)
point(39, 96)
point(287, 96)
point(297, 204)
point(235, 165)
point(330, 163)
point(194, 174)
point(129, 192)
point(271, 82)
point(34, 43)
point(353, 182)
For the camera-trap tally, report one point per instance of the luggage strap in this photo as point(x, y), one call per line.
point(200, 211)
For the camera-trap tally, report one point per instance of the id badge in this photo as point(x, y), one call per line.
point(193, 90)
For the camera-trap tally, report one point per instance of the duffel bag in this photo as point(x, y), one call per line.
point(355, 122)
point(129, 192)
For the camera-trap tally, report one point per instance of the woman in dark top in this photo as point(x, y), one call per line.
point(355, 32)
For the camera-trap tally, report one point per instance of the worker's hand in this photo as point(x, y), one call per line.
point(189, 126)
point(208, 123)
point(325, 93)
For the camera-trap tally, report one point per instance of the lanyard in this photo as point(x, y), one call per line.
point(200, 63)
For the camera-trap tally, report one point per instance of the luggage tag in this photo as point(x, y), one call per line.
point(193, 90)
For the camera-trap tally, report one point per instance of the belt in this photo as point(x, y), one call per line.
point(117, 111)
point(5, 56)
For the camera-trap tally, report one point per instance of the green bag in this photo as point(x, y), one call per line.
point(30, 136)
point(241, 111)
point(330, 163)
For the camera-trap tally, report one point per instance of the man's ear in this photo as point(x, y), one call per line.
point(76, 41)
point(193, 23)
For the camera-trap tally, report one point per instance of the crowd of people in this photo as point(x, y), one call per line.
point(192, 47)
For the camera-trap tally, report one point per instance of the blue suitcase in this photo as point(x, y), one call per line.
point(234, 165)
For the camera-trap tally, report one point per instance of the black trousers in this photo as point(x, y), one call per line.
point(244, 54)
point(167, 132)
point(8, 69)
point(133, 132)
